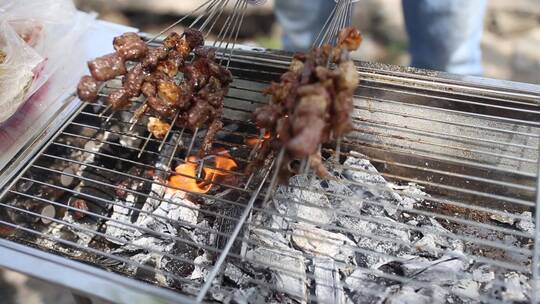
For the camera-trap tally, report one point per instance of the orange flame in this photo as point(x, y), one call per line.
point(253, 141)
point(187, 180)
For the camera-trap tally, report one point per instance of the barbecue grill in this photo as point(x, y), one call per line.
point(432, 201)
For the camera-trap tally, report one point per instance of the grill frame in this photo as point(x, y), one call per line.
point(385, 74)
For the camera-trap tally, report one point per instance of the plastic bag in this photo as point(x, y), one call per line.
point(36, 38)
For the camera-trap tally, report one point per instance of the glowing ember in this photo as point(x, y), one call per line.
point(186, 180)
point(253, 141)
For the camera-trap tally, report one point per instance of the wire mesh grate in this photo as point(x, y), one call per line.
point(432, 198)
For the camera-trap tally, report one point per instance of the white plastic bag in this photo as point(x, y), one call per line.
point(36, 37)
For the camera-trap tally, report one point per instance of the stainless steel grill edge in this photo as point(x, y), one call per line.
point(472, 144)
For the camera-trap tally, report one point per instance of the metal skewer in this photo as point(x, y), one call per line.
point(104, 111)
point(168, 131)
point(338, 18)
point(144, 145)
point(214, 9)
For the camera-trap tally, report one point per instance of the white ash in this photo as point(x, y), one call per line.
point(369, 206)
point(372, 187)
point(305, 201)
point(59, 230)
point(437, 241)
point(328, 287)
point(288, 269)
point(235, 274)
point(406, 295)
point(413, 194)
point(253, 295)
point(467, 288)
point(169, 220)
point(269, 238)
point(166, 216)
point(82, 237)
point(380, 248)
point(483, 274)
point(518, 288)
point(120, 233)
point(505, 219)
point(202, 265)
point(363, 288)
point(319, 242)
point(526, 225)
point(445, 270)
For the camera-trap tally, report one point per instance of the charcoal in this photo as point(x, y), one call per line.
point(289, 269)
point(183, 250)
point(483, 274)
point(202, 265)
point(446, 270)
point(466, 288)
point(438, 295)
point(503, 219)
point(236, 275)
point(316, 241)
point(363, 287)
point(409, 295)
point(527, 224)
point(372, 187)
point(253, 295)
point(269, 238)
point(437, 240)
point(302, 205)
point(517, 288)
point(328, 287)
point(379, 248)
point(120, 214)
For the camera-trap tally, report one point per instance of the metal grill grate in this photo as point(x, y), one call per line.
point(429, 203)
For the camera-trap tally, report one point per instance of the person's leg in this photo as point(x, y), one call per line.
point(301, 20)
point(445, 35)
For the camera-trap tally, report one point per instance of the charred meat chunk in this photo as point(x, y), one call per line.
point(153, 56)
point(200, 114)
point(214, 127)
point(186, 95)
point(88, 89)
point(118, 99)
point(168, 91)
point(171, 65)
point(266, 117)
point(134, 80)
point(160, 107)
point(172, 40)
point(348, 76)
point(157, 127)
point(313, 101)
point(342, 108)
point(350, 38)
point(194, 38)
point(107, 67)
point(183, 48)
point(148, 89)
point(130, 46)
point(213, 92)
point(307, 135)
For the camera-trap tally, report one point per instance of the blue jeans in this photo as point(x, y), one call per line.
point(444, 35)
